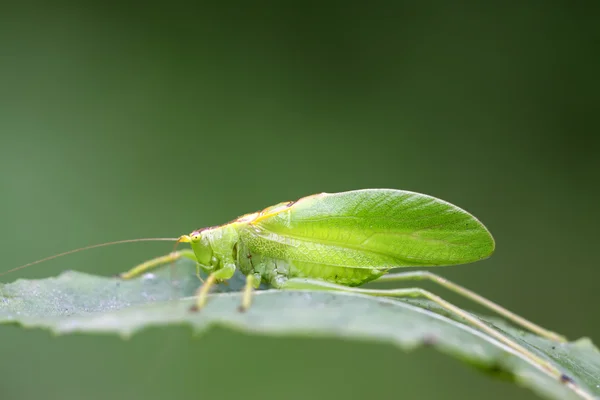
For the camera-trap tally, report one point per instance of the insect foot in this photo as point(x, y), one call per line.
point(566, 379)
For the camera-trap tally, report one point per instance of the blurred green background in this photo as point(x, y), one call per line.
point(153, 119)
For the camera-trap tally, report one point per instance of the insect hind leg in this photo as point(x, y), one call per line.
point(426, 275)
point(314, 284)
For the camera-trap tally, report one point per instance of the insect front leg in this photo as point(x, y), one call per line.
point(214, 277)
point(425, 275)
point(158, 262)
point(314, 284)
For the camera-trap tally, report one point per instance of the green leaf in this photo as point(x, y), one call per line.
point(77, 302)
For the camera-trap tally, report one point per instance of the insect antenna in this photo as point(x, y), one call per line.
point(93, 246)
point(173, 270)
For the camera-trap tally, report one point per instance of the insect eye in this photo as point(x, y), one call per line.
point(195, 237)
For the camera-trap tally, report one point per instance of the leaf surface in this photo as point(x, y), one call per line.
point(78, 302)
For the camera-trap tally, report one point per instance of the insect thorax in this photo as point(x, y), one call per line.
point(251, 261)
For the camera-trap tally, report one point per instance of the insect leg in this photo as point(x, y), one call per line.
point(301, 283)
point(157, 262)
point(422, 275)
point(202, 294)
point(252, 282)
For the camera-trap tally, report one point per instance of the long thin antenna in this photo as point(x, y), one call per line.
point(88, 248)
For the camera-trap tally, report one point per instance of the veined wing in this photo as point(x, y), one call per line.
point(383, 227)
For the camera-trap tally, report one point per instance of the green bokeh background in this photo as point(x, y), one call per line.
point(153, 119)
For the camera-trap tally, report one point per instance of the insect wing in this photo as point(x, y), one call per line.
point(383, 227)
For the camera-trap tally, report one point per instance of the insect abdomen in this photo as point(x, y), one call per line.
point(342, 275)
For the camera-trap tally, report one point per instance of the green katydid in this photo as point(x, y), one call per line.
point(340, 241)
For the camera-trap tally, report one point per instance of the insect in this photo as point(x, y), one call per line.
point(340, 241)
